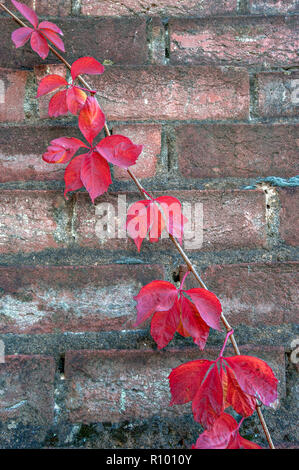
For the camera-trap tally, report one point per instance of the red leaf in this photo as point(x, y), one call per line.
point(223, 435)
point(172, 210)
point(207, 305)
point(138, 216)
point(119, 150)
point(72, 174)
point(75, 99)
point(193, 323)
point(91, 119)
point(157, 296)
point(156, 223)
point(164, 325)
point(95, 174)
point(86, 65)
point(58, 104)
point(255, 377)
point(51, 26)
point(185, 380)
point(53, 37)
point(27, 12)
point(20, 36)
point(50, 83)
point(241, 402)
point(39, 44)
point(207, 404)
point(61, 150)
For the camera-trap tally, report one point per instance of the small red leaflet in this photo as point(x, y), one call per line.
point(224, 434)
point(172, 311)
point(39, 34)
point(212, 386)
point(72, 98)
point(91, 169)
point(151, 217)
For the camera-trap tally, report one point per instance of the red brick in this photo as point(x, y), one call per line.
point(29, 220)
point(27, 390)
point(289, 220)
point(161, 92)
point(250, 41)
point(237, 150)
point(163, 7)
point(278, 94)
point(150, 137)
point(42, 71)
point(44, 7)
point(124, 385)
point(254, 294)
point(117, 40)
point(21, 152)
point(273, 6)
point(48, 299)
point(232, 219)
point(12, 93)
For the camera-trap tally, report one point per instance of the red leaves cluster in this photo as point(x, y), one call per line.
point(91, 169)
point(150, 217)
point(173, 311)
point(224, 435)
point(72, 98)
point(213, 386)
point(39, 34)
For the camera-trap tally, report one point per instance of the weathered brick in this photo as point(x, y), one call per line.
point(44, 7)
point(289, 220)
point(21, 150)
point(117, 40)
point(240, 41)
point(161, 92)
point(47, 299)
point(278, 94)
point(42, 71)
point(31, 220)
point(254, 294)
point(273, 7)
point(150, 137)
point(12, 93)
point(124, 385)
point(231, 219)
point(163, 7)
point(27, 390)
point(237, 150)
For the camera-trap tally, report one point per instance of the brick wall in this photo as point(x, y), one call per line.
point(212, 90)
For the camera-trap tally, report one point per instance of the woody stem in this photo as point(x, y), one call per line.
point(173, 239)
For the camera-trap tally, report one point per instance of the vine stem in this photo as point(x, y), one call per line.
point(173, 239)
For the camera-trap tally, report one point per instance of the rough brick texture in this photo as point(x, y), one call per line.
point(45, 8)
point(27, 389)
point(263, 41)
point(174, 93)
point(238, 286)
point(12, 93)
point(30, 221)
point(278, 94)
point(163, 7)
point(118, 385)
point(273, 6)
point(47, 299)
point(93, 37)
point(289, 199)
point(244, 151)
